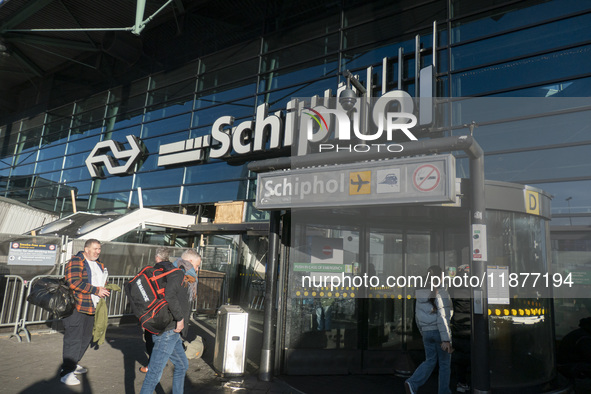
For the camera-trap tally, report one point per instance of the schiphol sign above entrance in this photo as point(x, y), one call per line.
point(429, 179)
point(316, 124)
point(320, 124)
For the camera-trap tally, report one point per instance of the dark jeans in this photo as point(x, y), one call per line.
point(77, 337)
point(460, 362)
point(149, 343)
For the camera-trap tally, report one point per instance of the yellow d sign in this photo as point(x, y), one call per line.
point(532, 202)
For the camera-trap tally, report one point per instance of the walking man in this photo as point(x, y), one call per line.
point(86, 276)
point(169, 344)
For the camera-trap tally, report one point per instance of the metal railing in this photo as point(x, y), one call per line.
point(18, 313)
point(12, 301)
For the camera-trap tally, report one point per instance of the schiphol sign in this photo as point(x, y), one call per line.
point(325, 122)
point(319, 124)
point(411, 180)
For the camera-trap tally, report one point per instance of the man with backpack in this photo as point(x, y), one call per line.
point(169, 344)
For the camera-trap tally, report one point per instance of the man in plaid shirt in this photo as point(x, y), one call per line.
point(86, 276)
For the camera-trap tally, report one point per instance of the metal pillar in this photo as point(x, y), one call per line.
point(266, 368)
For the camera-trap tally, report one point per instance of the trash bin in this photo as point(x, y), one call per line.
point(229, 358)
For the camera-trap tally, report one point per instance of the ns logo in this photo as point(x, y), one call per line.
point(120, 161)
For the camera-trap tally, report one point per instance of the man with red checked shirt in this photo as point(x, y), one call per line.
point(86, 276)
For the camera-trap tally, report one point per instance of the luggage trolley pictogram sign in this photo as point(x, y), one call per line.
point(426, 178)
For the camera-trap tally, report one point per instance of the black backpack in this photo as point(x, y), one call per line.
point(146, 295)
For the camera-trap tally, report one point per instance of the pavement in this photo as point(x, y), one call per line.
point(112, 368)
point(33, 367)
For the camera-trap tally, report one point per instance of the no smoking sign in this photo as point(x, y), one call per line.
point(426, 178)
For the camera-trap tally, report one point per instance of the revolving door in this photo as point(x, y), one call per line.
point(368, 327)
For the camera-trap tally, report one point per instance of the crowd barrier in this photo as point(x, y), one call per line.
point(16, 312)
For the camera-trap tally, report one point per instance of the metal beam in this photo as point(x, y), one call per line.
point(22, 15)
point(180, 6)
point(25, 61)
point(56, 42)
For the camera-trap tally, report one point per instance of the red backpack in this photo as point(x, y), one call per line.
point(146, 295)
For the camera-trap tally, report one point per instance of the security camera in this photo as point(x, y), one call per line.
point(347, 98)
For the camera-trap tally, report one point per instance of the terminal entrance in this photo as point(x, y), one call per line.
point(371, 329)
point(368, 328)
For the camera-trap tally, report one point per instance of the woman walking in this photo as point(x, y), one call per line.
point(433, 314)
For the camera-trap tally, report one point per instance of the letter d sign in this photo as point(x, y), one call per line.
point(532, 202)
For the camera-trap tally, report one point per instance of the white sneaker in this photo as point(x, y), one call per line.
point(70, 379)
point(80, 369)
point(463, 388)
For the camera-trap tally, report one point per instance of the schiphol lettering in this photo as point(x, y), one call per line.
point(301, 189)
point(302, 125)
point(277, 130)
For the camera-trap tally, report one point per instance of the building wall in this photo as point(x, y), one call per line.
point(505, 49)
point(529, 49)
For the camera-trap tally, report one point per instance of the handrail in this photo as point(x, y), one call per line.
point(12, 302)
point(17, 312)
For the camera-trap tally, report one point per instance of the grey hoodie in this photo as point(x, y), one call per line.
point(429, 320)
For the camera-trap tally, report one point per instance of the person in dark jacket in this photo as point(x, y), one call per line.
point(169, 344)
point(461, 328)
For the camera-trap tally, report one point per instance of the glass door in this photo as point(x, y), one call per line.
point(394, 256)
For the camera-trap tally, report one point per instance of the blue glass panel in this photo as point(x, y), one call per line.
point(112, 183)
point(75, 174)
point(546, 130)
point(533, 70)
point(76, 160)
point(158, 197)
point(121, 134)
point(52, 150)
point(107, 201)
point(166, 126)
point(278, 99)
point(50, 165)
point(160, 178)
point(225, 93)
point(83, 145)
point(82, 187)
point(27, 156)
point(83, 132)
point(26, 169)
point(226, 191)
point(539, 165)
point(237, 109)
point(51, 176)
point(508, 18)
point(287, 77)
point(523, 42)
point(573, 88)
point(168, 109)
point(201, 131)
point(234, 72)
point(214, 172)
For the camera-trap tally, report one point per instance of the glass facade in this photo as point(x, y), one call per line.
point(501, 50)
point(507, 50)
